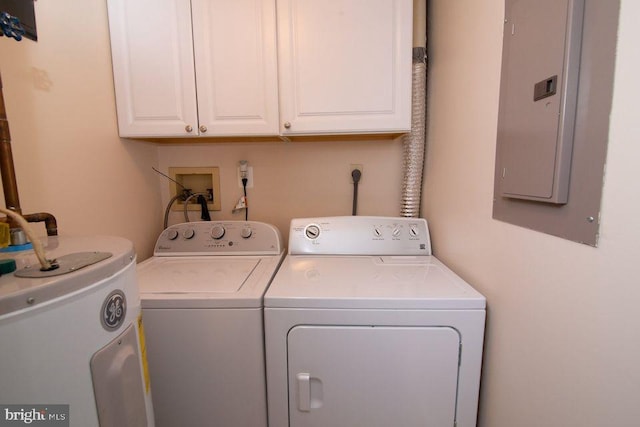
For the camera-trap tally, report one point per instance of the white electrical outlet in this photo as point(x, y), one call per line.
point(249, 177)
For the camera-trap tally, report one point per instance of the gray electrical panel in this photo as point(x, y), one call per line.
point(538, 97)
point(554, 185)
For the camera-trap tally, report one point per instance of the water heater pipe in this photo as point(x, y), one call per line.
point(8, 175)
point(38, 248)
point(414, 143)
point(7, 170)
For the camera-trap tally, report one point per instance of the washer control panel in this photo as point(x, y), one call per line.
point(359, 235)
point(219, 238)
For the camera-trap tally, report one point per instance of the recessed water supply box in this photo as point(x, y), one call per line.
point(195, 180)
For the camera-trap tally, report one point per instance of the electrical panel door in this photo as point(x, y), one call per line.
point(540, 69)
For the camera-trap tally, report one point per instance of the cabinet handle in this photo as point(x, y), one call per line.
point(287, 125)
point(188, 128)
point(203, 128)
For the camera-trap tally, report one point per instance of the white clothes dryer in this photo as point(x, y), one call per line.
point(364, 327)
point(202, 301)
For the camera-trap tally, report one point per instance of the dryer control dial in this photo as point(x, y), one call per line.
point(172, 234)
point(312, 231)
point(217, 232)
point(188, 233)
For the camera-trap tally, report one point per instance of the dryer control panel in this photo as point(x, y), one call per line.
point(219, 238)
point(359, 235)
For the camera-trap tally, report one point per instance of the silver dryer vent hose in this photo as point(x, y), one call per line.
point(414, 143)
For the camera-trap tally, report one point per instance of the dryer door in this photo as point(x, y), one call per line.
point(344, 376)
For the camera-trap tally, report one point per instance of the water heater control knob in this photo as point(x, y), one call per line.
point(188, 233)
point(246, 232)
point(217, 232)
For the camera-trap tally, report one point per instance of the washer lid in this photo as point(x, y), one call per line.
point(370, 282)
point(205, 281)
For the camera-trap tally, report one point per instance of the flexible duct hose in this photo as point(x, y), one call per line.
point(414, 143)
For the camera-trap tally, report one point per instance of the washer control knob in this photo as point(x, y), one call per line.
point(188, 233)
point(377, 232)
point(172, 234)
point(414, 231)
point(396, 232)
point(246, 232)
point(217, 232)
point(312, 231)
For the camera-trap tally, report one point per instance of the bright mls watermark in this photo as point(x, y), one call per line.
point(34, 415)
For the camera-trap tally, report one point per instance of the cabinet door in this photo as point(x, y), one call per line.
point(344, 376)
point(236, 66)
point(344, 66)
point(152, 54)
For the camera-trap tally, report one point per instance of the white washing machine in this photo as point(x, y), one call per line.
point(364, 327)
point(72, 345)
point(202, 302)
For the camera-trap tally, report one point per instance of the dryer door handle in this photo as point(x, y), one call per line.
point(304, 392)
point(310, 394)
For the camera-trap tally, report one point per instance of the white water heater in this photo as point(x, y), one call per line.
point(72, 343)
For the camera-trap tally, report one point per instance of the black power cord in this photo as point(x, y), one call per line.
point(356, 175)
point(204, 209)
point(246, 208)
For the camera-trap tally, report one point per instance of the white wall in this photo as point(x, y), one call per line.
point(69, 159)
point(563, 331)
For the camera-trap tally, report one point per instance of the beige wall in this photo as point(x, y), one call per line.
point(69, 159)
point(563, 331)
point(296, 179)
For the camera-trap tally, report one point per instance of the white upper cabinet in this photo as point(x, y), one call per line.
point(152, 56)
point(236, 66)
point(224, 68)
point(344, 66)
point(194, 68)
